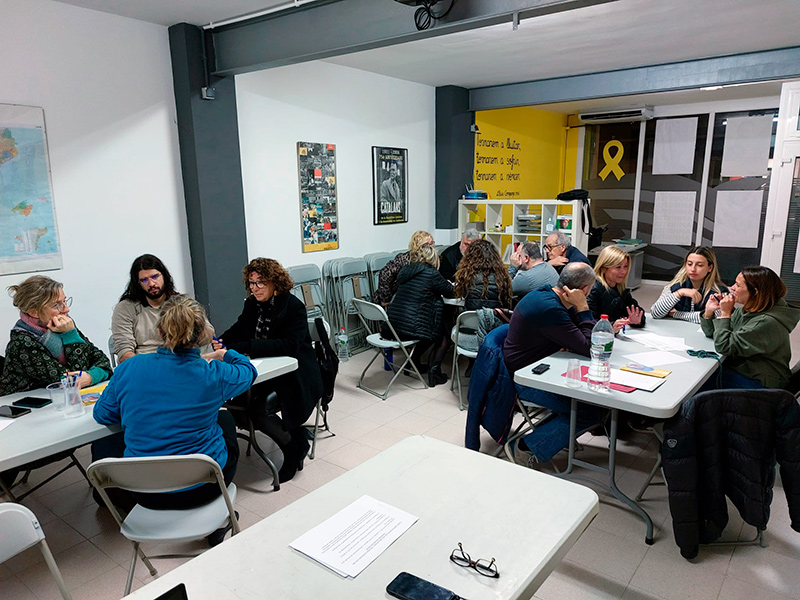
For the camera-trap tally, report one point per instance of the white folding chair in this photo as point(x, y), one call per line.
point(466, 320)
point(312, 330)
point(20, 530)
point(158, 474)
point(369, 312)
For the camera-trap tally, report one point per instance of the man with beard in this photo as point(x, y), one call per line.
point(135, 318)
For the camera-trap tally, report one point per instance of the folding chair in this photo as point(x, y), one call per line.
point(466, 320)
point(159, 474)
point(321, 410)
point(308, 288)
point(21, 530)
point(112, 352)
point(375, 262)
point(367, 311)
point(73, 462)
point(250, 436)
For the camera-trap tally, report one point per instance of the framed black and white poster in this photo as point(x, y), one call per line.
point(390, 185)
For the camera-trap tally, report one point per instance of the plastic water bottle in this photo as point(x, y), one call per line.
point(341, 343)
point(548, 228)
point(599, 377)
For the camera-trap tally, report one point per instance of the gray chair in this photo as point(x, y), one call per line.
point(20, 530)
point(158, 474)
point(112, 352)
point(320, 412)
point(466, 320)
point(369, 312)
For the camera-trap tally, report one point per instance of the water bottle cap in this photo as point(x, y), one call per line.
point(604, 317)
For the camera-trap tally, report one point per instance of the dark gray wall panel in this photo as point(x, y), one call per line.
point(455, 147)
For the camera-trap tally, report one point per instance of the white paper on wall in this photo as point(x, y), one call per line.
point(673, 153)
point(797, 259)
point(746, 150)
point(673, 218)
point(737, 218)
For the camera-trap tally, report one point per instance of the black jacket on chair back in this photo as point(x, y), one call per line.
point(475, 299)
point(416, 309)
point(725, 443)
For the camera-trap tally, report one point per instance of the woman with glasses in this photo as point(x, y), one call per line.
point(274, 323)
point(45, 345)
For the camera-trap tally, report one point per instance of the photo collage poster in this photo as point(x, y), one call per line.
point(316, 164)
point(390, 185)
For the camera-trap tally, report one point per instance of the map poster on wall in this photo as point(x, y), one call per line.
point(316, 164)
point(28, 232)
point(390, 185)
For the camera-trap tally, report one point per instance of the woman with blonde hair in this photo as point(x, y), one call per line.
point(416, 309)
point(168, 403)
point(610, 294)
point(686, 295)
point(482, 279)
point(387, 278)
point(274, 323)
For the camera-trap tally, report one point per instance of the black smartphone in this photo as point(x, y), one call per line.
point(540, 368)
point(410, 587)
point(12, 412)
point(176, 593)
point(31, 402)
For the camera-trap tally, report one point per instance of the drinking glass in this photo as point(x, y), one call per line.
point(574, 373)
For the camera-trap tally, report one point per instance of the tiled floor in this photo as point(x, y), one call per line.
point(610, 560)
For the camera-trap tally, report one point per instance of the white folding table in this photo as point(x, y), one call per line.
point(684, 381)
point(524, 519)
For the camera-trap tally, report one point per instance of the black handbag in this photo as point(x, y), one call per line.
point(595, 234)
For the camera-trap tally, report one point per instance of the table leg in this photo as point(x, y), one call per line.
point(610, 471)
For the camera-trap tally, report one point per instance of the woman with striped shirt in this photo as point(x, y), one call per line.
point(685, 296)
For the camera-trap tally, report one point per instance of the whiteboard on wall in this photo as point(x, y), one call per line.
point(737, 218)
point(673, 218)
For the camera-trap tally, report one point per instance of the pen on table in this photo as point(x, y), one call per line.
point(623, 330)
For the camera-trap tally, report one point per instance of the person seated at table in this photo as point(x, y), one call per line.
point(416, 309)
point(451, 256)
point(544, 322)
point(387, 278)
point(168, 402)
point(686, 295)
point(755, 336)
point(610, 294)
point(482, 279)
point(45, 346)
point(529, 271)
point(274, 323)
point(560, 250)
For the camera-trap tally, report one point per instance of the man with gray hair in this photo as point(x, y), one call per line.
point(560, 250)
point(546, 321)
point(529, 271)
point(451, 256)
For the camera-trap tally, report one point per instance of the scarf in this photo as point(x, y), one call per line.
point(264, 318)
point(50, 340)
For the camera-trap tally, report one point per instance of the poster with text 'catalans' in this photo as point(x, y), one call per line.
point(28, 231)
point(316, 164)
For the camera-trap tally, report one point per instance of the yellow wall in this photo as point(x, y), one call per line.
point(519, 153)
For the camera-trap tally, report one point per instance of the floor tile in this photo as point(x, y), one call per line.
point(380, 414)
point(414, 424)
point(768, 569)
point(676, 578)
point(351, 455)
point(316, 474)
point(383, 437)
point(734, 588)
point(608, 554)
point(571, 581)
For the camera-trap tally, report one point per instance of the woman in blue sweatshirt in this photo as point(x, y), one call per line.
point(168, 403)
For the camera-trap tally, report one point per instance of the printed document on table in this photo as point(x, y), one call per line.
point(656, 359)
point(658, 342)
point(641, 382)
point(355, 536)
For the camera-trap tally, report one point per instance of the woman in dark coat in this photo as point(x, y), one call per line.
point(416, 309)
point(610, 294)
point(274, 323)
point(482, 279)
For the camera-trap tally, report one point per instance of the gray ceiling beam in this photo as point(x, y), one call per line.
point(724, 70)
point(324, 29)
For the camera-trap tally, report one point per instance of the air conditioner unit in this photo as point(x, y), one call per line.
point(616, 115)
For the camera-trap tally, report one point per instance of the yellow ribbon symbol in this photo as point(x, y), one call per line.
point(612, 163)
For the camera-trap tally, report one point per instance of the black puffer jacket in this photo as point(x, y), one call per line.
point(475, 298)
point(725, 443)
point(416, 309)
point(607, 301)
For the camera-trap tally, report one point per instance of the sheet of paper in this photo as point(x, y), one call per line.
point(355, 536)
point(746, 149)
point(5, 422)
point(657, 342)
point(656, 359)
point(641, 382)
point(737, 218)
point(94, 389)
point(673, 152)
point(673, 218)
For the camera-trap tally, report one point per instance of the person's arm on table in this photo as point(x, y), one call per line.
point(106, 409)
point(236, 373)
point(665, 303)
point(97, 366)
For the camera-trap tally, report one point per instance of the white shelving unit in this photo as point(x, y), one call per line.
point(528, 220)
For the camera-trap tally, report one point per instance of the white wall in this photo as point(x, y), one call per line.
point(326, 103)
point(105, 84)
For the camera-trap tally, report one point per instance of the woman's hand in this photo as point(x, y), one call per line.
point(61, 324)
point(635, 315)
point(85, 380)
point(217, 344)
point(216, 355)
point(726, 305)
point(690, 293)
point(619, 324)
point(712, 305)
